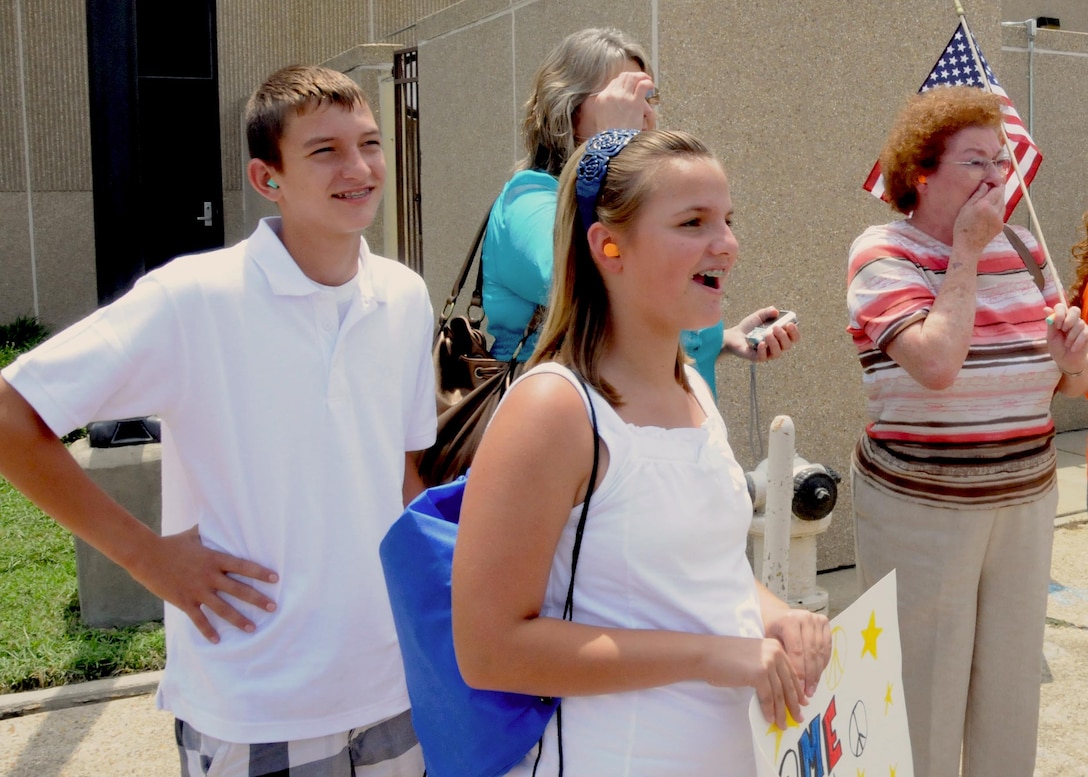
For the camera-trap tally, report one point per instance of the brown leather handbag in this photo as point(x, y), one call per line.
point(469, 381)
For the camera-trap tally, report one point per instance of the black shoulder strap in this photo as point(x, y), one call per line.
point(1025, 256)
point(462, 275)
point(477, 300)
point(568, 608)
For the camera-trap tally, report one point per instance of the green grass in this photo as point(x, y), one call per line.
point(42, 643)
point(20, 335)
point(23, 333)
point(7, 355)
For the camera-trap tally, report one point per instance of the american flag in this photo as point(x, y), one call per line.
point(957, 67)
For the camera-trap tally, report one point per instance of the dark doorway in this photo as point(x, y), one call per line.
point(155, 146)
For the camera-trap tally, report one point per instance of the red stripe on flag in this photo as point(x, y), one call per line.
point(875, 182)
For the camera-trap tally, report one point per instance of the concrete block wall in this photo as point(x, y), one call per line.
point(47, 255)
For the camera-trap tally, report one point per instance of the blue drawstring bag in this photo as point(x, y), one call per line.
point(463, 731)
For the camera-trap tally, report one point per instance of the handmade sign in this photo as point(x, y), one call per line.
point(856, 723)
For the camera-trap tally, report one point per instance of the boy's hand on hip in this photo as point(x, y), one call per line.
point(182, 571)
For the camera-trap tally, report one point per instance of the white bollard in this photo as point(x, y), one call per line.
point(779, 512)
point(812, 493)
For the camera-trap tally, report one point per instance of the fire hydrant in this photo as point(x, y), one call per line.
point(793, 500)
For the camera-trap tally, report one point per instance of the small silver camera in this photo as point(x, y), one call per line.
point(755, 337)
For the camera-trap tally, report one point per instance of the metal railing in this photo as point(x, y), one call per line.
point(406, 103)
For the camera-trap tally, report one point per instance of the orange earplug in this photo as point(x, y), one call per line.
point(612, 250)
point(921, 180)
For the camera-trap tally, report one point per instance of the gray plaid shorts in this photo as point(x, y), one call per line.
point(385, 749)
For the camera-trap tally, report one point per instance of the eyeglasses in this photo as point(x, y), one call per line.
point(980, 168)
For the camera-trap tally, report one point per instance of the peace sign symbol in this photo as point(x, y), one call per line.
point(836, 667)
point(859, 729)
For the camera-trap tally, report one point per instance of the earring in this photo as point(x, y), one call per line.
point(921, 180)
point(611, 250)
point(272, 184)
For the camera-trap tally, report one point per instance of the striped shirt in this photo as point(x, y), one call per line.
point(987, 440)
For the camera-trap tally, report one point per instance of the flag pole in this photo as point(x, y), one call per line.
point(1012, 156)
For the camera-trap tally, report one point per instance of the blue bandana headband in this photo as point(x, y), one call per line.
point(593, 167)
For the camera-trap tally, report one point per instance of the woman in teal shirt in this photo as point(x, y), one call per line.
point(593, 80)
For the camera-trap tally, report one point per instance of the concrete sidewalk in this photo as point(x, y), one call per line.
point(112, 727)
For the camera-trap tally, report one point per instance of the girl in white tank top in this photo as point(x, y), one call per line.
point(670, 632)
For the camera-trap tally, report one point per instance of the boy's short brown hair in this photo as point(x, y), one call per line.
point(297, 88)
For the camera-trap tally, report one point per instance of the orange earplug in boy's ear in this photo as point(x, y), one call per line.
point(921, 180)
point(611, 250)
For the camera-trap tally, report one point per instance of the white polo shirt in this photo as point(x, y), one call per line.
point(284, 433)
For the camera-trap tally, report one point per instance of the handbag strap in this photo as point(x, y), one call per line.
point(477, 300)
point(1025, 256)
point(462, 275)
point(535, 321)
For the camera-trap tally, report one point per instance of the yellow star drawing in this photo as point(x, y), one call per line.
point(778, 732)
point(888, 699)
point(891, 771)
point(869, 634)
point(861, 772)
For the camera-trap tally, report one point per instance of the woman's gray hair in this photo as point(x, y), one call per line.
point(571, 72)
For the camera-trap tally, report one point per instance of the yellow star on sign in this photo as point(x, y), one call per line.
point(888, 699)
point(869, 634)
point(778, 732)
point(891, 771)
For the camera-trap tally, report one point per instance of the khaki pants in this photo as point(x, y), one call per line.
point(972, 610)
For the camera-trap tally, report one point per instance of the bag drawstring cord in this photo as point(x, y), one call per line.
point(568, 608)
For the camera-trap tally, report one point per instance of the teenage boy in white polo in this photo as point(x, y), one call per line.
point(293, 376)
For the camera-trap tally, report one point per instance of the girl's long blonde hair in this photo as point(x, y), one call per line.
point(577, 329)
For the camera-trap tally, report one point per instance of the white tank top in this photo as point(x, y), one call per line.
point(663, 548)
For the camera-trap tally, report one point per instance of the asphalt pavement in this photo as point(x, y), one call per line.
point(112, 727)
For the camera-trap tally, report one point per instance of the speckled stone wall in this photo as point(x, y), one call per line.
point(796, 98)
